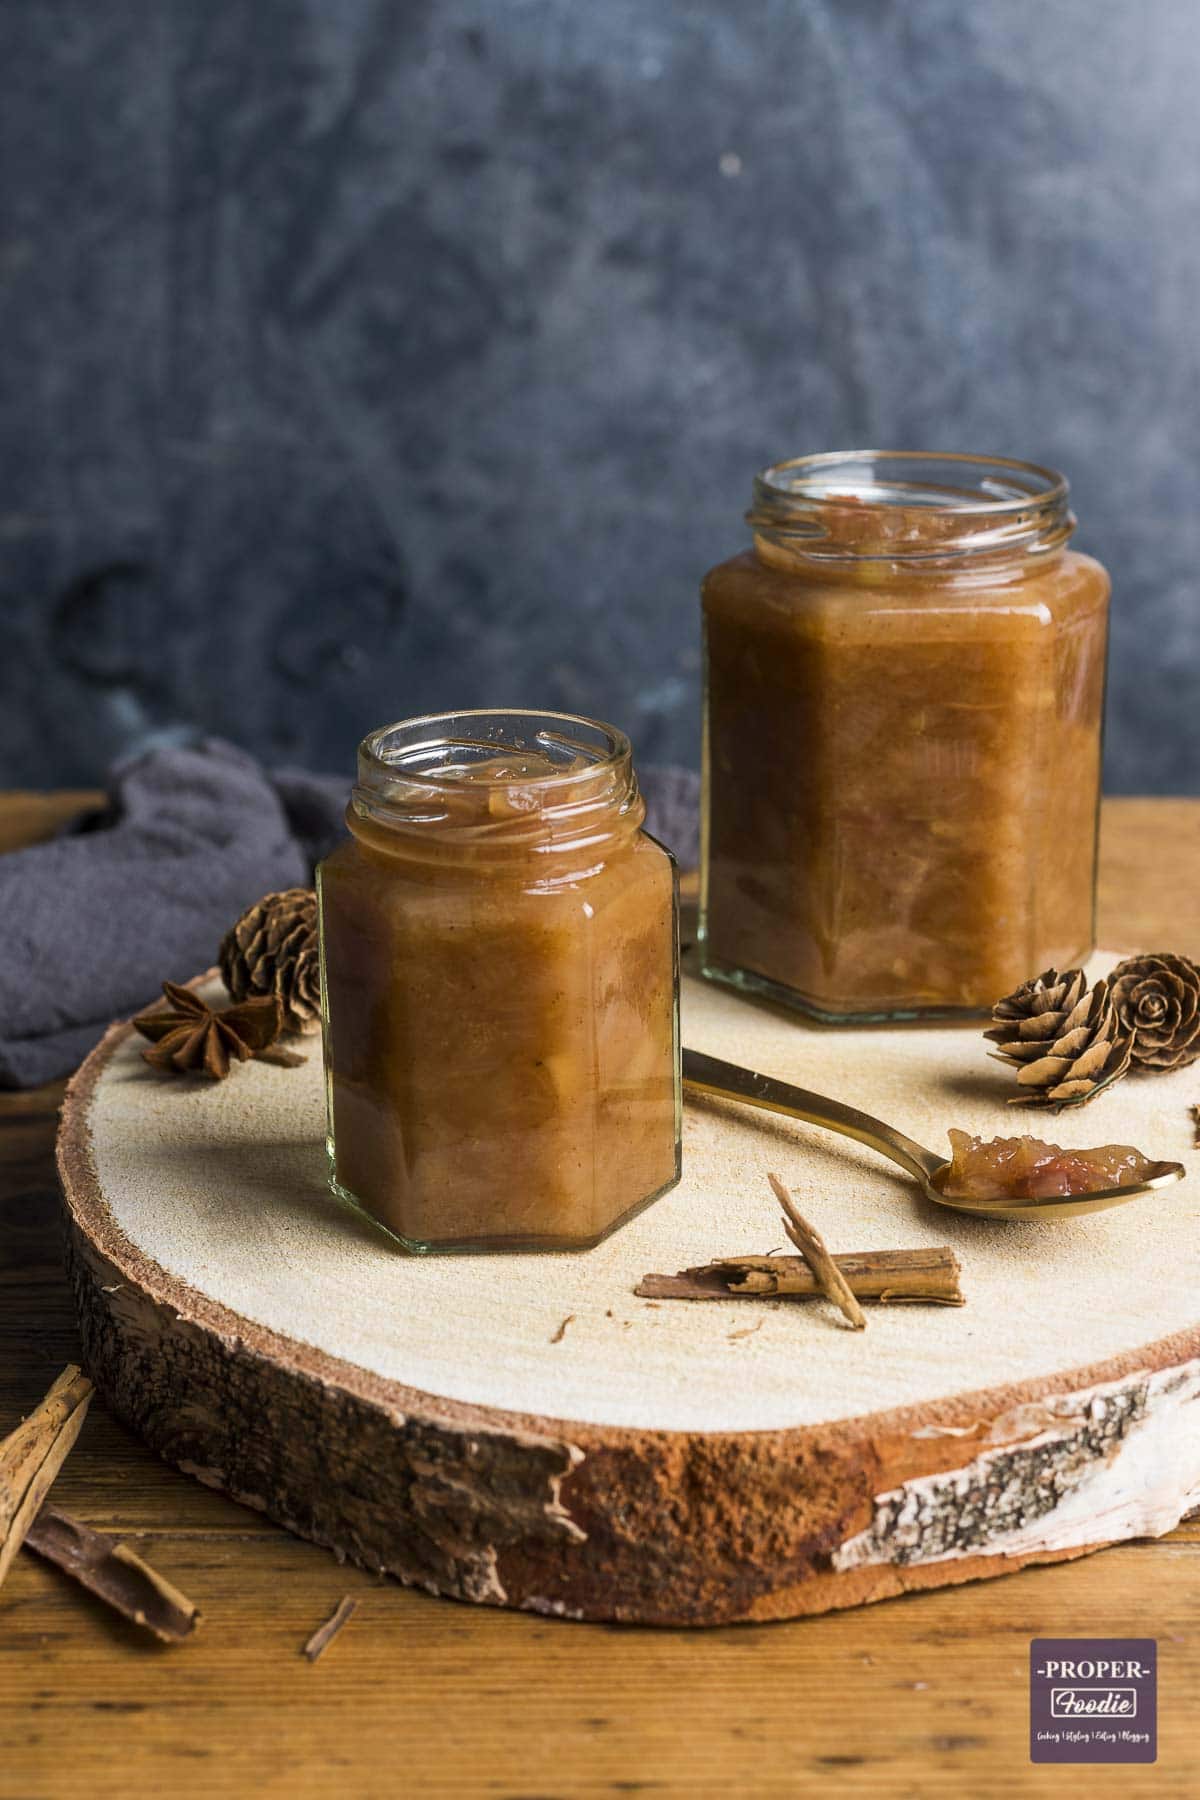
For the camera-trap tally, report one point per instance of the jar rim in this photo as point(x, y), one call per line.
point(919, 508)
point(428, 779)
point(1053, 487)
point(613, 749)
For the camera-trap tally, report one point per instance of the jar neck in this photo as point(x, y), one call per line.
point(493, 787)
point(859, 515)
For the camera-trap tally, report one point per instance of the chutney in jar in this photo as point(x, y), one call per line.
point(904, 686)
point(499, 955)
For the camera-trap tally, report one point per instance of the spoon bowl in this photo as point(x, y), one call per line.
point(1056, 1206)
point(727, 1081)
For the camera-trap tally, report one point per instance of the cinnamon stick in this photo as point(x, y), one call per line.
point(887, 1277)
point(324, 1635)
point(31, 1456)
point(1196, 1123)
point(811, 1246)
point(114, 1573)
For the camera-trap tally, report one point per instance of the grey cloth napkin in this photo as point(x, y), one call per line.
point(96, 919)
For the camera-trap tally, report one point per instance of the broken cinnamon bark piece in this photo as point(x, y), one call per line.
point(114, 1573)
point(887, 1277)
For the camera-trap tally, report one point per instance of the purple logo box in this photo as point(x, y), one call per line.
point(1093, 1700)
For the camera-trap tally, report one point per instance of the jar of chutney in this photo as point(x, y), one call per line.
point(500, 986)
point(904, 694)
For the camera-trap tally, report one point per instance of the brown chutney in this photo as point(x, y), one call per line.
point(903, 700)
point(500, 986)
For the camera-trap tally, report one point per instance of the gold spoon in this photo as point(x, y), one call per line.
point(709, 1075)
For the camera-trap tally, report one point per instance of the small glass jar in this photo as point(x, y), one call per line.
point(904, 693)
point(500, 986)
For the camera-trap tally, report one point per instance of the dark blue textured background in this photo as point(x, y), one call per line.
point(365, 356)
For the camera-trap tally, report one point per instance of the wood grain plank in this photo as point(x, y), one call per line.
point(923, 1696)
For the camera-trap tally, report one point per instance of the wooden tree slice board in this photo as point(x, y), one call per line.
point(523, 1430)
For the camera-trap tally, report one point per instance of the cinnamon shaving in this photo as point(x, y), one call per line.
point(811, 1246)
point(324, 1635)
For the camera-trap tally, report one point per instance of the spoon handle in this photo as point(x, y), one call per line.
point(709, 1075)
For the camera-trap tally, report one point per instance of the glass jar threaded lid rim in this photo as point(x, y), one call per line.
point(910, 506)
point(500, 777)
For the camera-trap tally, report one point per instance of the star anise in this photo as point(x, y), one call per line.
point(188, 1035)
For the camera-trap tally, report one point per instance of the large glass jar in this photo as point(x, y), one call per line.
point(903, 699)
point(500, 986)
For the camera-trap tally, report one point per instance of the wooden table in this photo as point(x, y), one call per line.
point(925, 1695)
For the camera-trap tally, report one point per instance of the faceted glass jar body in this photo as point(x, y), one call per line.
point(500, 986)
point(904, 694)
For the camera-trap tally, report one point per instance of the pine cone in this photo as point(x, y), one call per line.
point(1067, 1043)
point(1157, 999)
point(273, 950)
